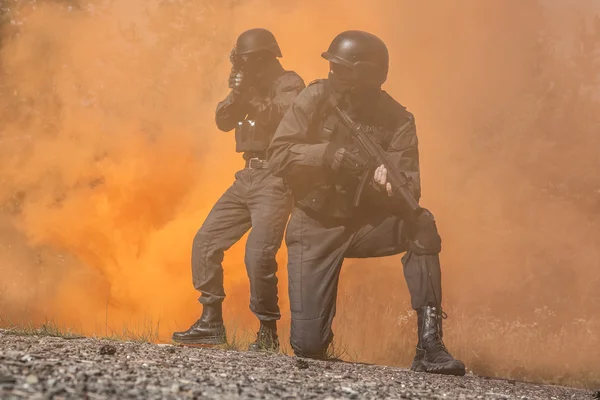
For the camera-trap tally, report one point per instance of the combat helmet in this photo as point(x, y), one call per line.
point(257, 40)
point(364, 56)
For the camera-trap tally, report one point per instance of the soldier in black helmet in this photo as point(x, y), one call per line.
point(261, 92)
point(317, 156)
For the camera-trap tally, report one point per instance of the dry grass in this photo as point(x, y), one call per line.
point(49, 328)
point(146, 332)
point(238, 338)
point(538, 346)
point(143, 333)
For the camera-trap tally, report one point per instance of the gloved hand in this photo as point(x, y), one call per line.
point(339, 158)
point(236, 80)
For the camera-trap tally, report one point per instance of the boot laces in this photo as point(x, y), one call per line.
point(264, 331)
point(439, 343)
point(261, 334)
point(440, 346)
point(264, 334)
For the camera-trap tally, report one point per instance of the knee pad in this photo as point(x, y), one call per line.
point(423, 235)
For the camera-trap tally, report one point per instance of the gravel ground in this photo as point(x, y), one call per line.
point(48, 367)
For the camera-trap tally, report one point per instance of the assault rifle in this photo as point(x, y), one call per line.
point(377, 156)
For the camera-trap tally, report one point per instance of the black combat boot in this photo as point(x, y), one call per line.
point(266, 337)
point(209, 329)
point(432, 356)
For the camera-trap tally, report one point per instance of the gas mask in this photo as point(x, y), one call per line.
point(341, 78)
point(255, 65)
point(346, 83)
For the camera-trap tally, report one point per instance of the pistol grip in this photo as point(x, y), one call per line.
point(361, 187)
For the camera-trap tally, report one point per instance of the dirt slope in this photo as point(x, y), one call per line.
point(48, 367)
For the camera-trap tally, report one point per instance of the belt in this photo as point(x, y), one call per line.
point(255, 154)
point(256, 163)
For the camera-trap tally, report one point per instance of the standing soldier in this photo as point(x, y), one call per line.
point(261, 92)
point(317, 156)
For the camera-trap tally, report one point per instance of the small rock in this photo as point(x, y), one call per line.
point(26, 358)
point(349, 390)
point(301, 364)
point(108, 350)
point(152, 388)
point(597, 395)
point(32, 379)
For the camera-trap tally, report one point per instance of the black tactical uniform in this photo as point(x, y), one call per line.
point(316, 155)
point(261, 93)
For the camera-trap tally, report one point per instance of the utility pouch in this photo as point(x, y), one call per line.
point(250, 136)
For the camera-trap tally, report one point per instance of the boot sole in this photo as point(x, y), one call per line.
point(207, 341)
point(451, 368)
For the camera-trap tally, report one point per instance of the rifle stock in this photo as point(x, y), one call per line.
point(378, 156)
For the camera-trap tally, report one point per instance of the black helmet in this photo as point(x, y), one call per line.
point(362, 52)
point(255, 40)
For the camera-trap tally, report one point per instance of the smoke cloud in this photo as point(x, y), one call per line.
point(110, 161)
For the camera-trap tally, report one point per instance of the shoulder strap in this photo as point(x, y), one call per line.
point(322, 108)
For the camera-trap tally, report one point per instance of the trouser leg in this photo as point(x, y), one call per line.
point(226, 223)
point(315, 255)
point(389, 235)
point(422, 272)
point(270, 204)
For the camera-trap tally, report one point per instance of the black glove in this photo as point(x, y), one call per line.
point(236, 81)
point(339, 158)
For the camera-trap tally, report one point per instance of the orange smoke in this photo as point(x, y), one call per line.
point(110, 161)
point(119, 163)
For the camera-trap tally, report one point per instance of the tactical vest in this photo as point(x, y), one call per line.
point(332, 198)
point(335, 197)
point(253, 134)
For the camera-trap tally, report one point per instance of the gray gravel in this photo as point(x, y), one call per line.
point(47, 367)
